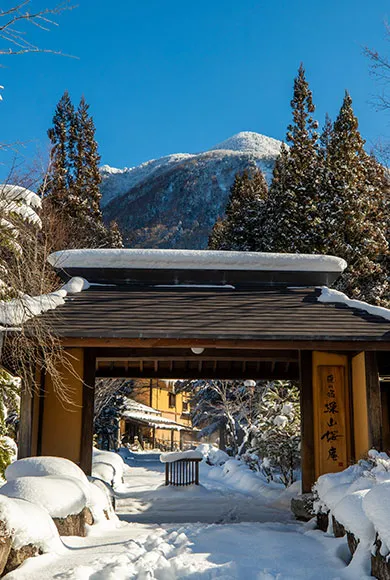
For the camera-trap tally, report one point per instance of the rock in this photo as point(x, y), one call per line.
point(302, 507)
point(74, 525)
point(353, 542)
point(380, 568)
point(323, 521)
point(5, 545)
point(17, 557)
point(88, 516)
point(338, 529)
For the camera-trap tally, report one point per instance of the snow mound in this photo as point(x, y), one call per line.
point(195, 259)
point(251, 142)
point(376, 505)
point(238, 475)
point(180, 455)
point(99, 502)
point(105, 461)
point(349, 511)
point(60, 497)
point(103, 471)
point(45, 465)
point(335, 297)
point(29, 524)
point(359, 498)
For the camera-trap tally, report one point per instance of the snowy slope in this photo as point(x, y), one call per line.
point(174, 201)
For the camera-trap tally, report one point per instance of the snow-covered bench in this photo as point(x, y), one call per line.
point(181, 468)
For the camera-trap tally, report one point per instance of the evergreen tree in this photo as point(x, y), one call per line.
point(60, 176)
point(292, 215)
point(115, 236)
point(278, 206)
point(87, 177)
point(217, 236)
point(242, 226)
point(325, 136)
point(72, 189)
point(354, 188)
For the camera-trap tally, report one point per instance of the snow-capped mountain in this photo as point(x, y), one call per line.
point(173, 202)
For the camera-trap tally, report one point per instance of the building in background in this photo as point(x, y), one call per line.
point(157, 417)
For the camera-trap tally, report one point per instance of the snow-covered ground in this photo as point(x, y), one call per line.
point(214, 531)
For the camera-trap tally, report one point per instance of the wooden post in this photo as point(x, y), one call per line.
point(88, 410)
point(41, 410)
point(25, 425)
point(307, 421)
point(154, 437)
point(222, 438)
point(374, 407)
point(172, 439)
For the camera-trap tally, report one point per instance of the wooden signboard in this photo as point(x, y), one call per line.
point(333, 440)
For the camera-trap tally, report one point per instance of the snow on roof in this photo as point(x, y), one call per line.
point(18, 310)
point(135, 406)
point(335, 297)
point(148, 415)
point(194, 259)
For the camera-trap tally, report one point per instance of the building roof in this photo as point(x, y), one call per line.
point(253, 313)
point(140, 413)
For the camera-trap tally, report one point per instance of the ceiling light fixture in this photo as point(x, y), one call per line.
point(197, 349)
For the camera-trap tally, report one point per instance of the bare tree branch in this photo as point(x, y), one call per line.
point(380, 69)
point(16, 40)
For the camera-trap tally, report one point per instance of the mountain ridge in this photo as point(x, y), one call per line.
point(173, 201)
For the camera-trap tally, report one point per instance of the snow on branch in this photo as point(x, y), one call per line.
point(335, 297)
point(17, 311)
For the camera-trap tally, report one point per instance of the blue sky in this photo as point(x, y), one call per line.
point(172, 76)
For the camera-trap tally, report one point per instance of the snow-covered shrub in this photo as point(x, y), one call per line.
point(97, 498)
point(44, 465)
point(59, 496)
point(29, 523)
point(253, 461)
point(277, 437)
point(359, 499)
point(100, 502)
point(108, 466)
point(212, 455)
point(9, 410)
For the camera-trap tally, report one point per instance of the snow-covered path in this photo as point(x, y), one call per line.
point(270, 546)
point(212, 502)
